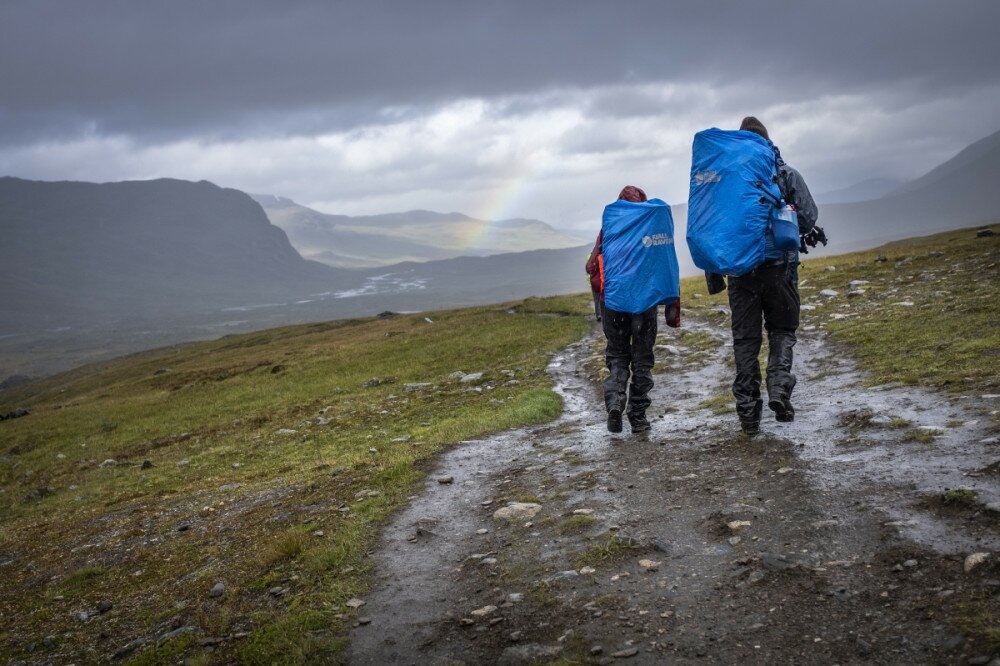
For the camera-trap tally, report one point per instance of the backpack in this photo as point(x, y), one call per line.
point(735, 203)
point(638, 257)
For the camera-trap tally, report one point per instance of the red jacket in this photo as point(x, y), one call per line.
point(595, 269)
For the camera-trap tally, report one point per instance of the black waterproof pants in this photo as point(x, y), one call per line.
point(629, 352)
point(771, 293)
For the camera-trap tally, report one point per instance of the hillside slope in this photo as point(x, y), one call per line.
point(84, 252)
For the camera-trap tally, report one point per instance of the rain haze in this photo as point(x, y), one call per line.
point(499, 110)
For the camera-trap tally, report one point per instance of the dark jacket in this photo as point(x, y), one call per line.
point(795, 192)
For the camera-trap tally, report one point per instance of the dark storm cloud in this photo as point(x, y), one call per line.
point(225, 69)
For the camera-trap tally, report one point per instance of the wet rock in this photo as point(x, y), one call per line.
point(777, 562)
point(974, 560)
point(649, 565)
point(980, 660)
point(128, 649)
point(517, 511)
point(484, 611)
point(953, 643)
point(529, 653)
point(562, 575)
point(862, 647)
point(217, 590)
point(626, 653)
point(179, 631)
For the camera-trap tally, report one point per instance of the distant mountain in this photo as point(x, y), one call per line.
point(962, 192)
point(77, 252)
point(863, 191)
point(418, 235)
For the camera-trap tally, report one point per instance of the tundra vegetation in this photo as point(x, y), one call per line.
point(268, 461)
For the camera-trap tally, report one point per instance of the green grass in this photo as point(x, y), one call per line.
point(720, 403)
point(949, 338)
point(920, 435)
point(611, 549)
point(575, 524)
point(262, 508)
point(959, 497)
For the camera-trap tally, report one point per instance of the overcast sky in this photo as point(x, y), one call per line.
point(497, 109)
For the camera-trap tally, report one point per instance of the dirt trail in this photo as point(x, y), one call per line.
point(822, 541)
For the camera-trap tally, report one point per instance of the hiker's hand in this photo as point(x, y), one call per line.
point(672, 313)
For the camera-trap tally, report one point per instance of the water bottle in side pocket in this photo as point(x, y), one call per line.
point(785, 226)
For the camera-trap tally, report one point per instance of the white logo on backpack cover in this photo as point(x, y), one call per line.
point(710, 176)
point(657, 239)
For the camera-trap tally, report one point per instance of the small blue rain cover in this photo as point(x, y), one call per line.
point(640, 262)
point(726, 219)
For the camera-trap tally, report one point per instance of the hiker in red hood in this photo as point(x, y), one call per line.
point(629, 352)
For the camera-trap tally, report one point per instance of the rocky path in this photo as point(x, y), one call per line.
point(836, 539)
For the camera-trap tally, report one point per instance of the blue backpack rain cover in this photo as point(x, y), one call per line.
point(731, 170)
point(640, 262)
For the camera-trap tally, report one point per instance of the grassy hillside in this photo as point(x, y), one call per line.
point(263, 461)
point(267, 461)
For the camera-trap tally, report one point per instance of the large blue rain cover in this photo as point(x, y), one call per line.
point(640, 262)
point(726, 218)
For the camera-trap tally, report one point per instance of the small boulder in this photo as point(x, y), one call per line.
point(974, 560)
point(517, 511)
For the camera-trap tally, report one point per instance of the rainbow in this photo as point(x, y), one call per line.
point(499, 203)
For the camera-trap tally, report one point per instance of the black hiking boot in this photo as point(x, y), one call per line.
point(639, 424)
point(783, 410)
point(750, 428)
point(615, 420)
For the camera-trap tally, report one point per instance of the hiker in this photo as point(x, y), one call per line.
point(768, 294)
point(634, 269)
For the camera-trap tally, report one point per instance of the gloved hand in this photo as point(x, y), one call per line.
point(672, 313)
point(716, 283)
point(812, 238)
